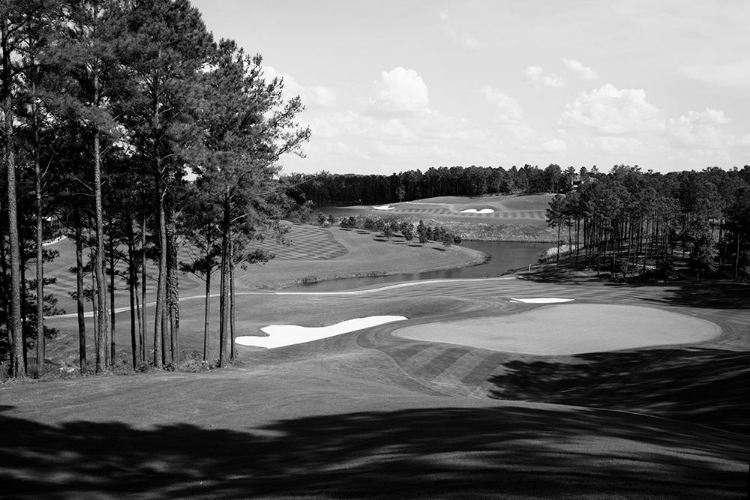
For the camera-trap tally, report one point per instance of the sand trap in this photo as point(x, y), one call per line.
point(284, 335)
point(541, 300)
point(475, 211)
point(384, 207)
point(569, 329)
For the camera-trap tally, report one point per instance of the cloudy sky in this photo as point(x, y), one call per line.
point(394, 85)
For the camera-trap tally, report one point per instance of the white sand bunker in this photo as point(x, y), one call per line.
point(284, 335)
point(542, 300)
point(569, 329)
point(384, 207)
point(475, 211)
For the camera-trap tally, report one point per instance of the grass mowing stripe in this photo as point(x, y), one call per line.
point(440, 363)
point(483, 370)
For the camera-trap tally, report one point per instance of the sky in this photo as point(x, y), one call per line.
point(396, 85)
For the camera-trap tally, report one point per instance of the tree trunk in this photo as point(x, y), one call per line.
point(207, 312)
point(173, 294)
point(132, 289)
point(112, 300)
point(161, 287)
point(79, 292)
point(142, 325)
point(102, 352)
point(224, 294)
point(15, 332)
point(231, 300)
point(40, 341)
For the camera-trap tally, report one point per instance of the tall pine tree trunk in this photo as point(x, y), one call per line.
point(112, 300)
point(102, 352)
point(161, 286)
point(144, 276)
point(132, 289)
point(18, 369)
point(80, 291)
point(40, 341)
point(173, 296)
point(231, 300)
point(206, 313)
point(224, 308)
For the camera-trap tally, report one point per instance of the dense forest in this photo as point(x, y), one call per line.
point(108, 106)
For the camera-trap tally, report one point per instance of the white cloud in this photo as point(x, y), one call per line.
point(535, 74)
point(400, 91)
point(323, 96)
point(554, 146)
point(311, 96)
point(609, 111)
point(623, 146)
point(731, 74)
point(701, 129)
point(576, 66)
point(459, 37)
point(510, 110)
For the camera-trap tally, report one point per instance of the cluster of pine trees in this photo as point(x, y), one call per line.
point(628, 220)
point(106, 106)
point(389, 226)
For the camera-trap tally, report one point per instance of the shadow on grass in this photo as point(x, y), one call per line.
point(711, 294)
point(506, 452)
point(705, 386)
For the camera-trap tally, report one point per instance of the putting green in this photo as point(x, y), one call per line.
point(569, 329)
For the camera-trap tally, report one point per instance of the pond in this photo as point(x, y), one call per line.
point(504, 256)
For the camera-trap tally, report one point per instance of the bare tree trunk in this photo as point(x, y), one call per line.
point(224, 293)
point(40, 341)
point(231, 300)
point(102, 353)
point(144, 276)
point(15, 332)
point(206, 313)
point(132, 289)
point(112, 301)
point(173, 288)
point(79, 292)
point(161, 287)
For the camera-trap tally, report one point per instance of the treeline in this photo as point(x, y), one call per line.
point(107, 106)
point(326, 189)
point(632, 221)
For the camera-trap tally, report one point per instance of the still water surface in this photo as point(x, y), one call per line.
point(504, 256)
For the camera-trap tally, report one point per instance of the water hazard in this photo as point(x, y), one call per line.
point(504, 256)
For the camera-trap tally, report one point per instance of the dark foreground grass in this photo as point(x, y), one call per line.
point(438, 452)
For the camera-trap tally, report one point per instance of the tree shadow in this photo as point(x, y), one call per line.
point(705, 386)
point(508, 452)
point(711, 294)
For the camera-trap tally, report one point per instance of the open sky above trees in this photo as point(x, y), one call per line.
point(392, 85)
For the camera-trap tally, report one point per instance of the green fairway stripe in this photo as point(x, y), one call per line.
point(483, 370)
point(440, 363)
